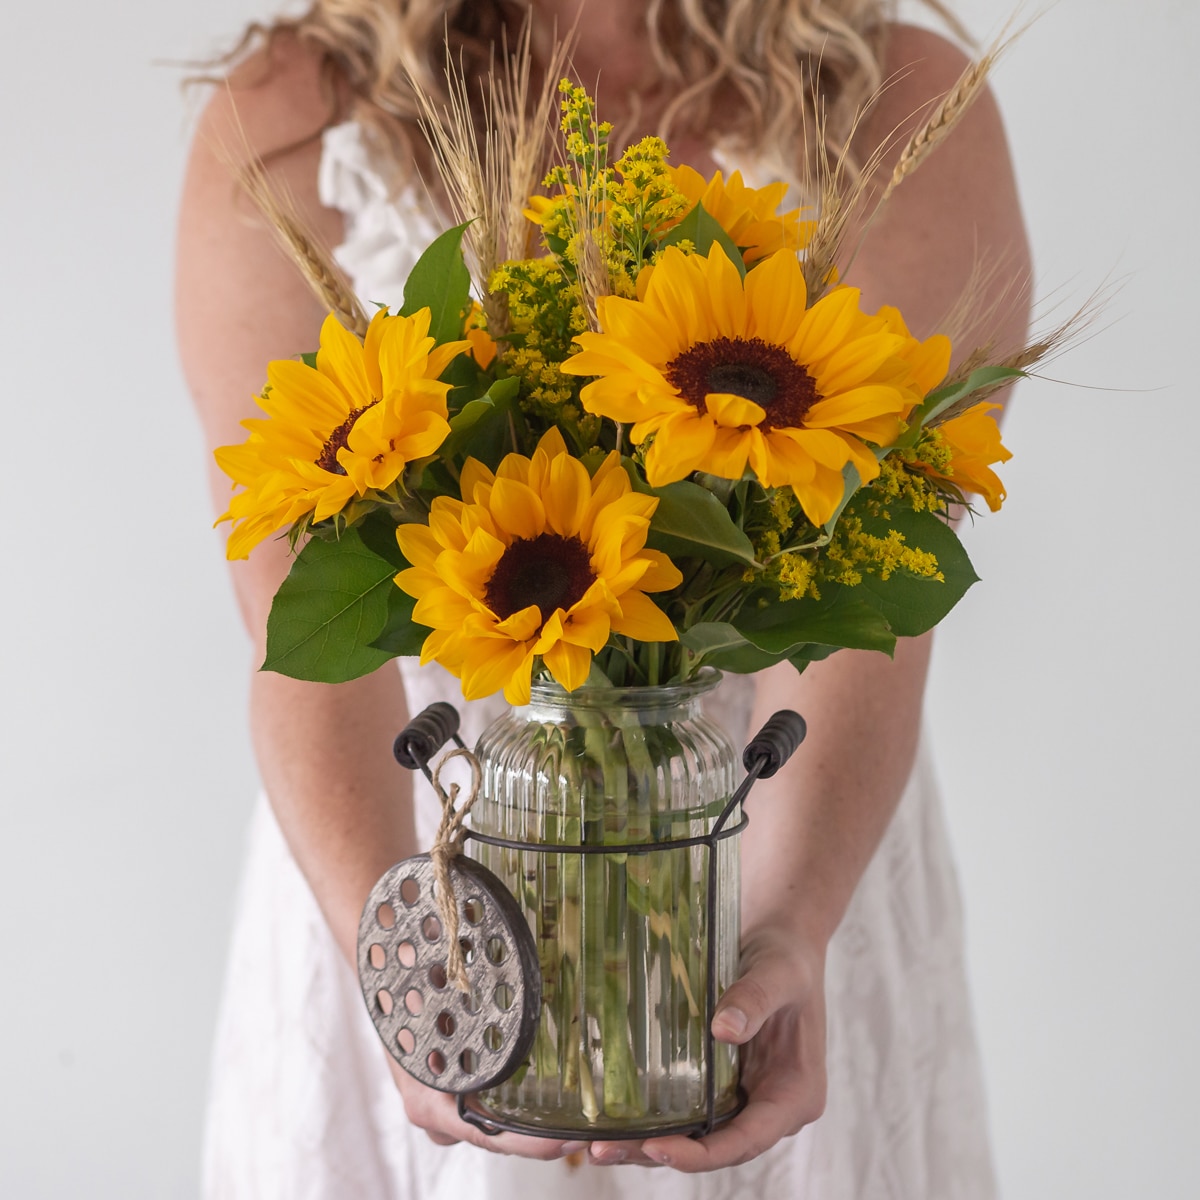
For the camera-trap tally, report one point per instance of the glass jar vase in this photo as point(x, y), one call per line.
point(623, 935)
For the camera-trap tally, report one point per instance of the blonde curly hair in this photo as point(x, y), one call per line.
point(758, 72)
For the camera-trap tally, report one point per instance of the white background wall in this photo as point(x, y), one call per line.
point(1063, 700)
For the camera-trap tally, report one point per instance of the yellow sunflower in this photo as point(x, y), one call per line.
point(973, 439)
point(726, 375)
point(538, 559)
point(333, 433)
point(749, 215)
point(925, 363)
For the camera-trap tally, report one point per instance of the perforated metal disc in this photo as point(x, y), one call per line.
point(450, 1040)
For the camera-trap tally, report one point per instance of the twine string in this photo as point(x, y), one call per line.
point(447, 845)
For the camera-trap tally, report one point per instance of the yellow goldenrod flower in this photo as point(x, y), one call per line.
point(749, 215)
point(905, 479)
point(538, 559)
point(334, 433)
point(725, 374)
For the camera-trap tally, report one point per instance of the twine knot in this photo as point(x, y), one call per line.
point(447, 845)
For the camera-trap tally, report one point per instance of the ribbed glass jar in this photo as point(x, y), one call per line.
point(622, 937)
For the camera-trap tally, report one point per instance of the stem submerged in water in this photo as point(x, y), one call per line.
point(622, 936)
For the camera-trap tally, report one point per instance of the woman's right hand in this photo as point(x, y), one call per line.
point(437, 1114)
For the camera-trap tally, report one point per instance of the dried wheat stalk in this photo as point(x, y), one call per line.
point(1049, 345)
point(593, 277)
point(946, 115)
point(840, 197)
point(991, 290)
point(489, 175)
point(314, 262)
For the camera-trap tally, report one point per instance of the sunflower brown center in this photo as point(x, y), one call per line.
point(747, 367)
point(327, 460)
point(548, 570)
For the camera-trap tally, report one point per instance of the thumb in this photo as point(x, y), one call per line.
point(763, 990)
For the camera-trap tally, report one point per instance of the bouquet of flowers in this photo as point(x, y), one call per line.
point(667, 437)
point(671, 440)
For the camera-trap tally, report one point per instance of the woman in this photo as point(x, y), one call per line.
point(848, 891)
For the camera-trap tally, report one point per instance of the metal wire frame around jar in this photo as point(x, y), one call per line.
point(765, 754)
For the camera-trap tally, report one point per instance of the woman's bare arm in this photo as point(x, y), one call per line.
point(324, 752)
point(960, 206)
point(815, 826)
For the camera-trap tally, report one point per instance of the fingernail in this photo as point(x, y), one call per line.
point(573, 1148)
point(733, 1020)
point(658, 1155)
point(604, 1157)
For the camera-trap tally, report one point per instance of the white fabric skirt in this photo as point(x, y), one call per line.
point(303, 1106)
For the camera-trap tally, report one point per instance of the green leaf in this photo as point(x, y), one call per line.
point(938, 401)
point(401, 635)
point(711, 637)
point(466, 381)
point(722, 646)
point(431, 478)
point(476, 428)
point(309, 359)
point(851, 481)
point(328, 611)
point(811, 653)
point(378, 533)
point(910, 604)
point(702, 229)
point(596, 677)
point(744, 660)
point(690, 522)
point(440, 282)
point(838, 619)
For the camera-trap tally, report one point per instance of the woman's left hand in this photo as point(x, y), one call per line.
point(776, 1011)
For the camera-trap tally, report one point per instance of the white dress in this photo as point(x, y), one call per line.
point(302, 1105)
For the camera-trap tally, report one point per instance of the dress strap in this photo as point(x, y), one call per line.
point(384, 232)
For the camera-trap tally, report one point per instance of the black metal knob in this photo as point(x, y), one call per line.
point(425, 735)
point(774, 743)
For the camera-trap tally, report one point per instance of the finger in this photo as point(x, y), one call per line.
point(769, 985)
point(523, 1145)
point(437, 1114)
point(610, 1154)
point(752, 1132)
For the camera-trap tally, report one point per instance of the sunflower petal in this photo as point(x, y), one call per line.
point(341, 360)
point(518, 508)
point(679, 448)
point(587, 625)
point(732, 410)
point(662, 574)
point(776, 297)
point(826, 325)
point(821, 495)
point(643, 620)
point(569, 664)
point(499, 664)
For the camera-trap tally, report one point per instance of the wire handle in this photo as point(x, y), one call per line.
point(774, 743)
point(425, 735)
